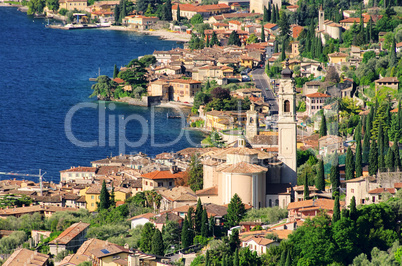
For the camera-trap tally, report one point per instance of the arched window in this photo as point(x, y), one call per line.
point(286, 106)
point(270, 203)
point(276, 202)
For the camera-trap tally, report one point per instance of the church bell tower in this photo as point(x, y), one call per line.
point(287, 131)
point(252, 123)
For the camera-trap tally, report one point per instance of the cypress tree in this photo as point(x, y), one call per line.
point(207, 42)
point(104, 198)
point(357, 134)
point(353, 210)
point(112, 197)
point(373, 158)
point(337, 211)
point(122, 10)
point(393, 59)
point(390, 160)
point(236, 261)
point(157, 244)
point(269, 12)
point(282, 261)
point(116, 14)
point(198, 216)
point(369, 121)
point(204, 223)
point(207, 262)
point(358, 166)
point(306, 191)
point(273, 15)
point(168, 11)
point(395, 148)
point(349, 165)
point(224, 262)
point(334, 176)
point(363, 124)
point(262, 33)
point(380, 141)
point(277, 14)
point(185, 236)
point(370, 30)
point(283, 54)
point(366, 146)
point(190, 220)
point(214, 39)
point(399, 116)
point(115, 71)
point(265, 17)
point(323, 126)
point(320, 178)
point(178, 13)
point(288, 260)
point(276, 47)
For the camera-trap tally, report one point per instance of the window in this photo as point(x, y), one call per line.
point(146, 183)
point(352, 190)
point(276, 202)
point(286, 106)
point(92, 197)
point(92, 204)
point(160, 184)
point(170, 183)
point(373, 199)
point(270, 203)
point(313, 101)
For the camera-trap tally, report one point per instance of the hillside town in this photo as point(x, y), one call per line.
point(300, 104)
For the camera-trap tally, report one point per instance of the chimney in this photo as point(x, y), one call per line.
point(133, 260)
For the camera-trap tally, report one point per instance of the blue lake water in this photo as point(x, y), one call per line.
point(44, 78)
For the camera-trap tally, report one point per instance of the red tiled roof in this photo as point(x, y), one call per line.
point(207, 191)
point(398, 185)
point(382, 190)
point(80, 169)
point(317, 95)
point(296, 31)
point(388, 80)
point(337, 54)
point(144, 215)
point(270, 25)
point(187, 81)
point(235, 22)
point(326, 204)
point(118, 80)
point(163, 175)
point(70, 233)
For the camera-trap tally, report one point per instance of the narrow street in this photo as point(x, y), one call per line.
point(261, 82)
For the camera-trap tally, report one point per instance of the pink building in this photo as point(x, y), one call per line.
point(315, 102)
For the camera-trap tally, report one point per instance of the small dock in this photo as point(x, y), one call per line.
point(73, 26)
point(172, 116)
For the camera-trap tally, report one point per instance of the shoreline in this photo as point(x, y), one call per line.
point(164, 34)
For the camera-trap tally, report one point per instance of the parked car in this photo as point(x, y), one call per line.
point(245, 78)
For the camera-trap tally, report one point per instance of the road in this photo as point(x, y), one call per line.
point(261, 82)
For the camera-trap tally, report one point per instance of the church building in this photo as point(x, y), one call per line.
point(249, 172)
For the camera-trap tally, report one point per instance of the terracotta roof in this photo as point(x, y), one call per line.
point(262, 241)
point(244, 168)
point(170, 217)
point(94, 189)
point(187, 81)
point(27, 257)
point(70, 233)
point(144, 215)
point(80, 169)
point(109, 250)
point(235, 22)
point(317, 95)
point(296, 30)
point(118, 80)
point(270, 25)
point(397, 185)
point(33, 209)
point(337, 54)
point(382, 190)
point(207, 191)
point(163, 175)
point(215, 209)
point(326, 204)
point(89, 245)
point(388, 80)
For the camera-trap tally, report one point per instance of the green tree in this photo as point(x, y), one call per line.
point(168, 11)
point(395, 148)
point(265, 16)
point(197, 19)
point(104, 198)
point(171, 235)
point(236, 258)
point(358, 164)
point(207, 42)
point(123, 11)
point(283, 53)
point(349, 165)
point(214, 39)
point(146, 237)
point(53, 5)
point(288, 261)
point(204, 223)
point(252, 39)
point(262, 37)
point(320, 178)
point(373, 158)
point(186, 240)
point(198, 216)
point(115, 71)
point(323, 126)
point(380, 141)
point(366, 146)
point(337, 211)
point(236, 211)
point(196, 173)
point(116, 13)
point(390, 160)
point(284, 26)
point(269, 12)
point(273, 15)
point(393, 60)
point(234, 39)
point(334, 176)
point(306, 190)
point(178, 13)
point(157, 244)
point(112, 197)
point(352, 209)
point(191, 223)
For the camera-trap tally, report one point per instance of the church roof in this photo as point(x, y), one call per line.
point(244, 168)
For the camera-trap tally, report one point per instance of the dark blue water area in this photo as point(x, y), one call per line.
point(44, 85)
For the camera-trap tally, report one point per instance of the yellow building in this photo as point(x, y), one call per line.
point(337, 58)
point(247, 61)
point(73, 4)
point(184, 90)
point(92, 195)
